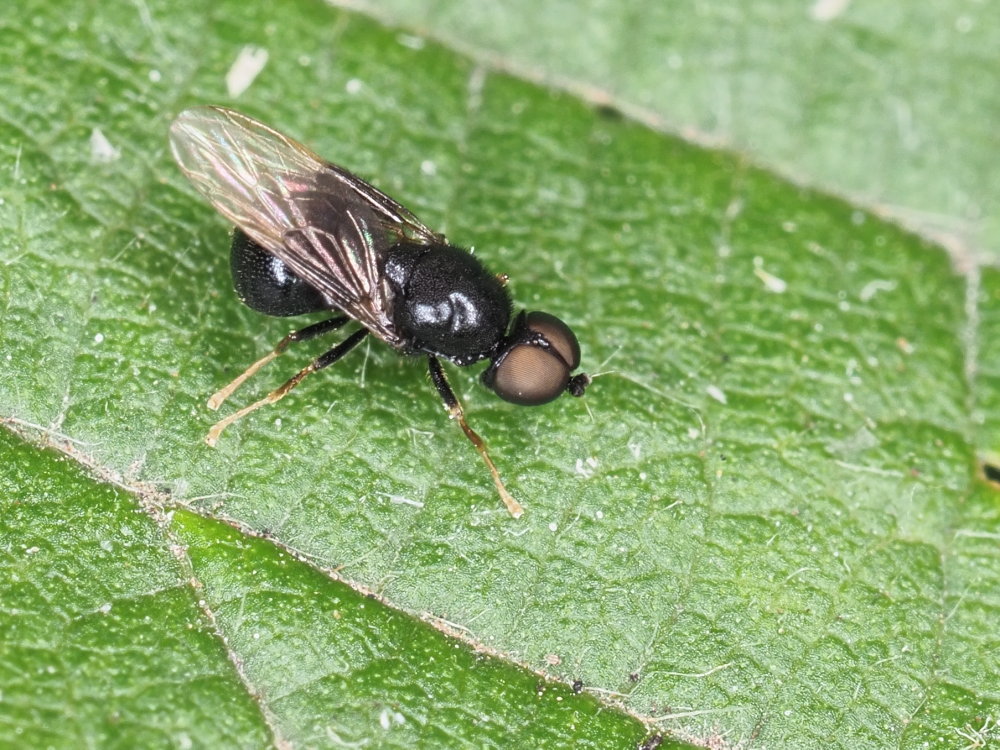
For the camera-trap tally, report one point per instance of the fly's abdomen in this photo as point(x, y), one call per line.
point(266, 284)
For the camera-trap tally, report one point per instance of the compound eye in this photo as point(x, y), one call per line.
point(530, 375)
point(558, 334)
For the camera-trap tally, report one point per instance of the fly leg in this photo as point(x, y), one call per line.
point(277, 394)
point(304, 334)
point(455, 411)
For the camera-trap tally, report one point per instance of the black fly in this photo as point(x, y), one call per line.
point(311, 236)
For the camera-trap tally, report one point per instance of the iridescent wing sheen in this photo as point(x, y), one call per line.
point(328, 225)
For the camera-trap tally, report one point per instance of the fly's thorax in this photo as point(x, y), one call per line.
point(446, 302)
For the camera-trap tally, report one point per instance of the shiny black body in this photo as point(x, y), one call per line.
point(265, 283)
point(311, 237)
point(445, 302)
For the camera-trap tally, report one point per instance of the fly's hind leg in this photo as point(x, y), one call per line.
point(279, 393)
point(455, 411)
point(304, 334)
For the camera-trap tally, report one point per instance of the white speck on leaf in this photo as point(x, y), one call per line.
point(771, 282)
point(353, 86)
point(101, 150)
point(245, 68)
point(828, 10)
point(862, 440)
point(717, 393)
point(98, 338)
point(400, 500)
point(410, 42)
point(428, 167)
point(872, 288)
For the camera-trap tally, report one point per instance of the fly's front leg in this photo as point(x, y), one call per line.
point(455, 411)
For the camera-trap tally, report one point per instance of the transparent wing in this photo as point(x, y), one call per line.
point(328, 225)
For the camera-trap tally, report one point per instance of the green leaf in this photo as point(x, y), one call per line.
point(316, 648)
point(110, 640)
point(987, 365)
point(102, 641)
point(763, 523)
point(892, 103)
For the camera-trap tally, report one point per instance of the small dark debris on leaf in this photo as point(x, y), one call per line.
point(609, 112)
point(540, 689)
point(652, 742)
point(991, 471)
point(633, 677)
point(577, 687)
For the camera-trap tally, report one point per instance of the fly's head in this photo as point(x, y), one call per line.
point(534, 363)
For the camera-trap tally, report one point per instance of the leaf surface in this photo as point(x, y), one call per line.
point(894, 105)
point(763, 523)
